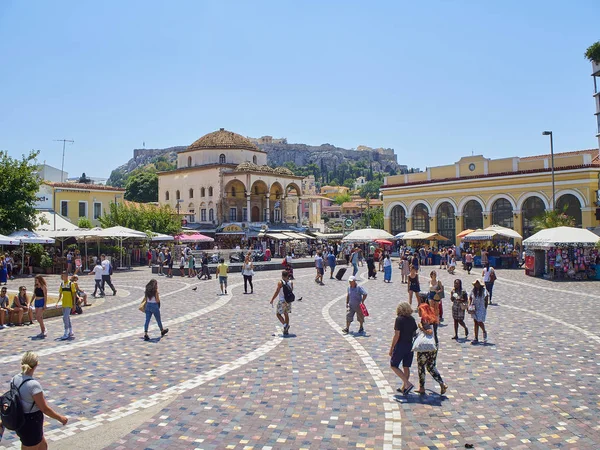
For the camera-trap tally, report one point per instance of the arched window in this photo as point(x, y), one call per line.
point(210, 191)
point(532, 208)
point(473, 215)
point(211, 215)
point(502, 213)
point(233, 191)
point(202, 192)
point(221, 158)
point(398, 219)
point(420, 218)
point(167, 196)
point(446, 221)
point(571, 207)
point(189, 161)
point(191, 193)
point(177, 195)
point(254, 159)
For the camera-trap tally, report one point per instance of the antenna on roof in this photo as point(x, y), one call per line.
point(62, 166)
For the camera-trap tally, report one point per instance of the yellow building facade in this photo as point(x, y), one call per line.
point(477, 192)
point(75, 200)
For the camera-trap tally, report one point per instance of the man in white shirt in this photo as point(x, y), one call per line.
point(106, 274)
point(98, 270)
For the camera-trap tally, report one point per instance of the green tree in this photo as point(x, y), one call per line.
point(370, 189)
point(552, 219)
point(84, 222)
point(372, 217)
point(19, 184)
point(142, 187)
point(84, 179)
point(158, 219)
point(341, 198)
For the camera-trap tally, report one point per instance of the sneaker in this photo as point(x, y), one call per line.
point(475, 342)
point(2, 327)
point(146, 337)
point(361, 330)
point(71, 334)
point(345, 331)
point(164, 331)
point(44, 334)
point(63, 338)
point(114, 292)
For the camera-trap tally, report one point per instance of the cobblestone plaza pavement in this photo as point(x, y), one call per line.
point(225, 377)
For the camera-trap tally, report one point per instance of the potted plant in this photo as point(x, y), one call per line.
point(593, 54)
point(46, 263)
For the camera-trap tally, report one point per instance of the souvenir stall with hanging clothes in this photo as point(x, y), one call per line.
point(563, 253)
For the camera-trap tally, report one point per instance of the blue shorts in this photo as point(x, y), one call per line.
point(402, 354)
point(39, 303)
point(223, 280)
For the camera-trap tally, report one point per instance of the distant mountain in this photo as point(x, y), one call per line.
point(278, 153)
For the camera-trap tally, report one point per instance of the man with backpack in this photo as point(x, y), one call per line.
point(106, 273)
point(285, 292)
point(355, 297)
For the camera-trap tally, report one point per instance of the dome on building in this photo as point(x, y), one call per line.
point(223, 139)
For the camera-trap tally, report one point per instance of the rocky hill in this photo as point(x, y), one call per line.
point(278, 153)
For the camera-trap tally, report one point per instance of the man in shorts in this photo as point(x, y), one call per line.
point(356, 295)
point(222, 272)
point(284, 309)
point(320, 268)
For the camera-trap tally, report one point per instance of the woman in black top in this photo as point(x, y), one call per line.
point(401, 349)
point(413, 285)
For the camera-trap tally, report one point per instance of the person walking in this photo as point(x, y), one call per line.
point(204, 264)
point(153, 308)
point(404, 268)
point(355, 296)
point(478, 302)
point(387, 268)
point(489, 277)
point(69, 262)
point(3, 270)
point(98, 271)
point(161, 262)
point(40, 298)
point(182, 265)
point(248, 273)
point(169, 263)
point(459, 305)
point(331, 262)
point(469, 262)
point(67, 295)
point(106, 274)
point(149, 257)
point(414, 286)
point(427, 360)
point(320, 268)
point(191, 263)
point(354, 261)
point(401, 348)
point(347, 252)
point(222, 272)
point(284, 309)
point(33, 404)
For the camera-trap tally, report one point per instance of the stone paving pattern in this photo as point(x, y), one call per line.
point(535, 385)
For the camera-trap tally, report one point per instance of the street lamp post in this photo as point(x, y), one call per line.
point(549, 133)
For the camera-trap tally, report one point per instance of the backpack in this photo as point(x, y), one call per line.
point(288, 294)
point(11, 410)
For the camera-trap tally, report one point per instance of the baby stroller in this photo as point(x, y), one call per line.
point(371, 268)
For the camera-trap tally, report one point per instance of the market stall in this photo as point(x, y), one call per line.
point(497, 238)
point(563, 253)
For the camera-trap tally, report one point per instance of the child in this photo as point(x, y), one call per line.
point(68, 296)
point(81, 294)
point(222, 270)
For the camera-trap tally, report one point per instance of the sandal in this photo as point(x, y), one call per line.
point(407, 390)
point(421, 392)
point(443, 388)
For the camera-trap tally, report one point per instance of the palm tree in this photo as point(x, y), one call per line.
point(552, 219)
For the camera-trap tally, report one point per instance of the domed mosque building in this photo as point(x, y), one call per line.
point(223, 184)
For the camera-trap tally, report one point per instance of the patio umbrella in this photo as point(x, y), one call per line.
point(561, 237)
point(432, 237)
point(480, 235)
point(383, 242)
point(504, 232)
point(367, 235)
point(60, 235)
point(120, 234)
point(29, 237)
point(407, 235)
point(463, 233)
point(5, 240)
point(196, 237)
point(158, 237)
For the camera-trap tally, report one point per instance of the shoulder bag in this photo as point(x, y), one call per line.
point(142, 306)
point(424, 343)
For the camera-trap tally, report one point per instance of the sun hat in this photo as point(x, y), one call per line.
point(352, 278)
point(478, 281)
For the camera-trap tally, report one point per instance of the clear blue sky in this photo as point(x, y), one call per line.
point(434, 80)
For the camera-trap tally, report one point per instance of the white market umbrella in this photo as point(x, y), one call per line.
point(561, 237)
point(60, 235)
point(90, 235)
point(480, 235)
point(367, 235)
point(158, 237)
point(121, 233)
point(5, 240)
point(504, 232)
point(414, 234)
point(29, 237)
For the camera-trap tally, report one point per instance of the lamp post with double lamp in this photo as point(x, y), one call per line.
point(549, 133)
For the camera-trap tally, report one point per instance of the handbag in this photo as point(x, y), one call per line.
point(441, 294)
point(142, 307)
point(471, 309)
point(424, 343)
point(492, 275)
point(364, 310)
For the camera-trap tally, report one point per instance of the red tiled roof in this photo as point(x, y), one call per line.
point(87, 187)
